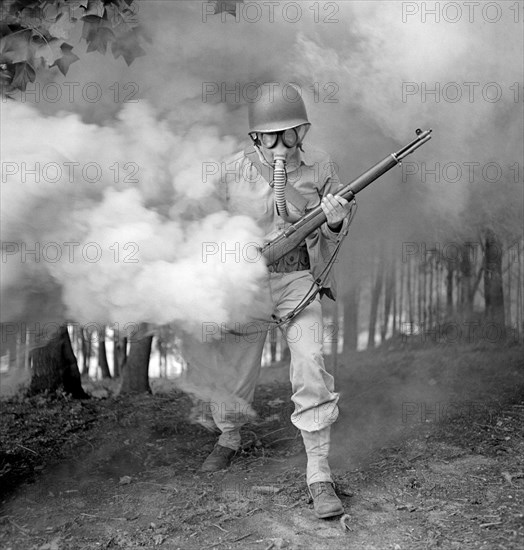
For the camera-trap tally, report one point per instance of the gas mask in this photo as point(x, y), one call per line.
point(282, 144)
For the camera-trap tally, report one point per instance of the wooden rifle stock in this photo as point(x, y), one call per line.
point(296, 233)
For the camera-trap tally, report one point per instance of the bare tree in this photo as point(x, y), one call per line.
point(388, 299)
point(351, 304)
point(135, 374)
point(493, 292)
point(54, 366)
point(102, 353)
point(375, 297)
point(87, 344)
point(119, 353)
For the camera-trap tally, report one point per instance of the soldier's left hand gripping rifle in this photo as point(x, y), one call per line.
point(295, 234)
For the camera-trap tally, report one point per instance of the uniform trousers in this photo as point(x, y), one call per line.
point(313, 395)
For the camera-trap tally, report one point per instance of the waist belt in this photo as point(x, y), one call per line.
point(295, 260)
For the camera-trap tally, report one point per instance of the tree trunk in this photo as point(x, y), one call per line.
point(449, 290)
point(162, 346)
point(375, 297)
point(418, 294)
point(520, 305)
point(54, 366)
point(395, 312)
point(466, 281)
point(493, 293)
point(285, 355)
point(401, 299)
point(24, 344)
point(438, 285)
point(410, 294)
point(86, 350)
point(333, 332)
point(424, 268)
point(8, 344)
point(135, 374)
point(102, 353)
point(508, 301)
point(119, 353)
point(431, 266)
point(390, 288)
point(351, 303)
point(273, 344)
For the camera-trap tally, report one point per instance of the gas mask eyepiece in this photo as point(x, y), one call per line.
point(289, 138)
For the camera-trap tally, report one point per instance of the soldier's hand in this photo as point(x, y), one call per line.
point(335, 208)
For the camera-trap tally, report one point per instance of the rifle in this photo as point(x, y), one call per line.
point(296, 233)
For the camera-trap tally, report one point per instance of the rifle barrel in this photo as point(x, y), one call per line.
point(296, 233)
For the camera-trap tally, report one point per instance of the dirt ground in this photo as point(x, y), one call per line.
point(428, 452)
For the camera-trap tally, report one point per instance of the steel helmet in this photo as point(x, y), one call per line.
point(276, 107)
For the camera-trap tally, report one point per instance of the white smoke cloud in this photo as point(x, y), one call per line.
point(100, 233)
point(368, 52)
point(394, 61)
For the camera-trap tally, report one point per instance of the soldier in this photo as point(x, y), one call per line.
point(275, 181)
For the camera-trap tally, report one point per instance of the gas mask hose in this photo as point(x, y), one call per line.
point(279, 186)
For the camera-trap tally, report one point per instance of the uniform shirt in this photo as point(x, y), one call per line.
point(245, 191)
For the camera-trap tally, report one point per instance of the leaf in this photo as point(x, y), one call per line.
point(228, 6)
point(100, 40)
point(32, 16)
point(62, 27)
point(95, 7)
point(91, 26)
point(67, 58)
point(15, 47)
point(4, 29)
point(49, 52)
point(6, 75)
point(72, 10)
point(52, 12)
point(18, 5)
point(127, 46)
point(508, 477)
point(124, 18)
point(24, 73)
point(344, 521)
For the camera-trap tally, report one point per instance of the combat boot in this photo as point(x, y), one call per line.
point(219, 459)
point(325, 501)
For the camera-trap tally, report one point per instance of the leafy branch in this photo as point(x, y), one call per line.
point(34, 34)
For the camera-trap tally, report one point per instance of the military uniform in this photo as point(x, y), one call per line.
point(244, 190)
point(275, 183)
